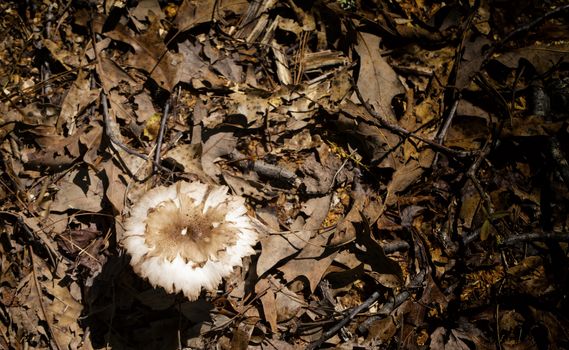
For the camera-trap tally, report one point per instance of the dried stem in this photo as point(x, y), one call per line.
point(38, 291)
point(559, 159)
point(384, 123)
point(330, 333)
point(540, 237)
point(270, 171)
point(161, 134)
point(114, 140)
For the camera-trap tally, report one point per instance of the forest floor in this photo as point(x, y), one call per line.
point(408, 159)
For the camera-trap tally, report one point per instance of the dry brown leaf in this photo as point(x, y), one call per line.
point(319, 176)
point(377, 81)
point(249, 188)
point(460, 338)
point(192, 13)
point(188, 156)
point(279, 246)
point(111, 74)
point(26, 309)
point(384, 270)
point(378, 144)
point(227, 66)
point(287, 303)
point(531, 126)
point(542, 57)
point(65, 312)
point(216, 146)
point(150, 54)
point(242, 335)
point(472, 59)
point(145, 107)
point(192, 69)
point(68, 59)
point(310, 263)
point(264, 289)
point(471, 201)
point(115, 187)
point(91, 140)
point(403, 178)
point(381, 331)
point(254, 108)
point(78, 97)
point(80, 189)
point(147, 9)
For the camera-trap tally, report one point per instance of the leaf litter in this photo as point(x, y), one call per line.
point(408, 158)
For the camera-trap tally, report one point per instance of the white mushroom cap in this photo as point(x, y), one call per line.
point(188, 236)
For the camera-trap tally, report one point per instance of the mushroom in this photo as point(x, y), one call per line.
point(188, 236)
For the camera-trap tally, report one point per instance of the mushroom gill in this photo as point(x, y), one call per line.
point(188, 236)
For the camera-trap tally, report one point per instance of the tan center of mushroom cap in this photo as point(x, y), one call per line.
point(181, 228)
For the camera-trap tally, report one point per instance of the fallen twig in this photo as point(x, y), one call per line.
point(440, 138)
point(532, 24)
point(471, 173)
point(559, 159)
point(522, 29)
point(328, 334)
point(391, 304)
point(114, 140)
point(540, 237)
point(42, 307)
point(109, 131)
point(384, 123)
point(161, 134)
point(270, 171)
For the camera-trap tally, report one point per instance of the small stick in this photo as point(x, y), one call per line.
point(557, 155)
point(117, 142)
point(161, 134)
point(471, 173)
point(42, 307)
point(532, 24)
point(391, 304)
point(109, 131)
point(395, 246)
point(328, 334)
point(522, 29)
point(263, 168)
point(386, 309)
point(541, 237)
point(444, 129)
point(382, 122)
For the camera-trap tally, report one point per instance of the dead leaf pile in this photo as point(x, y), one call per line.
point(409, 160)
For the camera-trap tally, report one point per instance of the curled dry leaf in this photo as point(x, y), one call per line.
point(377, 81)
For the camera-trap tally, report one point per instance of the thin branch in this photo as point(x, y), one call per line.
point(330, 333)
point(270, 171)
point(42, 307)
point(532, 24)
point(391, 304)
point(440, 138)
point(161, 134)
point(523, 29)
point(114, 140)
point(471, 173)
point(560, 160)
point(540, 237)
point(384, 123)
point(109, 131)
